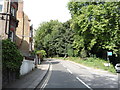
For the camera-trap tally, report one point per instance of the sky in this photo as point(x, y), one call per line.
point(45, 10)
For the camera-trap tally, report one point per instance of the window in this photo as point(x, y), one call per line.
point(30, 46)
point(13, 11)
point(1, 6)
point(11, 36)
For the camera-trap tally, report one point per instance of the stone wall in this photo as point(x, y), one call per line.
point(23, 31)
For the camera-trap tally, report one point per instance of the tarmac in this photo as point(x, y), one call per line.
point(32, 79)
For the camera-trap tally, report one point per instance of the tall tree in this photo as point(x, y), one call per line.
point(97, 26)
point(55, 38)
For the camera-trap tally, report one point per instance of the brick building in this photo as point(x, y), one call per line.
point(8, 20)
point(24, 36)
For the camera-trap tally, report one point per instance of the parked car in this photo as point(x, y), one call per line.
point(117, 67)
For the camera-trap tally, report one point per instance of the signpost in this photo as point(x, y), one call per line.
point(109, 53)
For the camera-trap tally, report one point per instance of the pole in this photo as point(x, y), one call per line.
point(9, 18)
point(108, 54)
point(6, 22)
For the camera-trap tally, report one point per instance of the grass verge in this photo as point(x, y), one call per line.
point(96, 63)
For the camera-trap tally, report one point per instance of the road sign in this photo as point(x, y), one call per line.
point(109, 53)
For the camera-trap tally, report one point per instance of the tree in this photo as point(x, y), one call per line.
point(96, 26)
point(55, 38)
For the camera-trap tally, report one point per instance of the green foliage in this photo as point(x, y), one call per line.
point(54, 37)
point(70, 51)
point(96, 63)
point(11, 57)
point(96, 26)
point(42, 52)
point(83, 53)
point(93, 30)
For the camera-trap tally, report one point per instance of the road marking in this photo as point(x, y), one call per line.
point(69, 71)
point(63, 65)
point(83, 83)
point(47, 79)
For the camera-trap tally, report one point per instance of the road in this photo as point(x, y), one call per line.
point(67, 74)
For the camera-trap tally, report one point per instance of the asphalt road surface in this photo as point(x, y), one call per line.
point(67, 74)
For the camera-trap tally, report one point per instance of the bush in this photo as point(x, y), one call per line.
point(41, 54)
point(83, 53)
point(11, 57)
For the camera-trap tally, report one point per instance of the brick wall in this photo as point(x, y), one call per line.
point(23, 31)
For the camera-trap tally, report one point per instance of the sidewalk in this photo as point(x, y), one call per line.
point(32, 79)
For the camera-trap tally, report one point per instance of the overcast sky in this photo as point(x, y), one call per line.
point(45, 10)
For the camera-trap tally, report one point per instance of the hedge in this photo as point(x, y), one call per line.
point(11, 56)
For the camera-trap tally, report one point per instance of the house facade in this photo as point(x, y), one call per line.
point(8, 25)
point(8, 20)
point(24, 36)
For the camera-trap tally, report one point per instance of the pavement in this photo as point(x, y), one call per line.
point(32, 79)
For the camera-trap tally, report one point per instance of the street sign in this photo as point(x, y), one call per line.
point(109, 53)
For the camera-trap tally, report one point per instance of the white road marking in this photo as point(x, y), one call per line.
point(83, 83)
point(69, 71)
point(63, 65)
point(47, 79)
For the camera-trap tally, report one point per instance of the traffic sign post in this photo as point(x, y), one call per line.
point(109, 53)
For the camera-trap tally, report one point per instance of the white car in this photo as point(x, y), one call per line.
point(117, 67)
